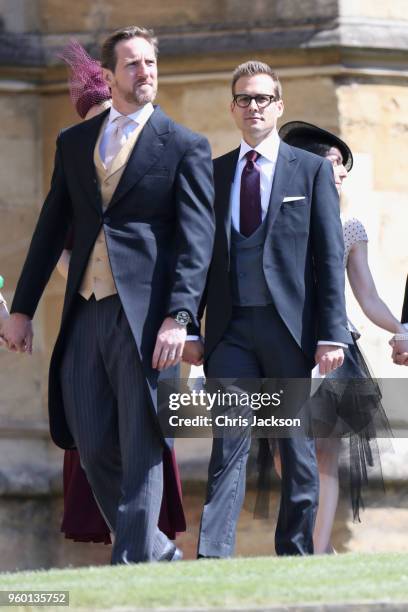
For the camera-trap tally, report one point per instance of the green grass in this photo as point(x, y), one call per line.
point(240, 583)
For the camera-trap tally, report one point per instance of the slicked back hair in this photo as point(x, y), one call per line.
point(108, 55)
point(252, 68)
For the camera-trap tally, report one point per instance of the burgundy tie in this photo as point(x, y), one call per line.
point(250, 200)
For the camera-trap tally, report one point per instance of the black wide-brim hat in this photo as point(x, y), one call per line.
point(299, 133)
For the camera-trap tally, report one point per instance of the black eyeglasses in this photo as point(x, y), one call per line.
point(262, 100)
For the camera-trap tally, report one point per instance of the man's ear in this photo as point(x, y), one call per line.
point(108, 76)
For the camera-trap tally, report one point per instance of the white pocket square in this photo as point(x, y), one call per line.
point(293, 198)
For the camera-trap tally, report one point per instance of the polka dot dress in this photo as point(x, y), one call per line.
point(353, 231)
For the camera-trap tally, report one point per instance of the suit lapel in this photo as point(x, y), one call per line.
point(147, 150)
point(286, 166)
point(84, 155)
point(224, 177)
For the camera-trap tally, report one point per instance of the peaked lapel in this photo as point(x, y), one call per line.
point(286, 165)
point(84, 156)
point(224, 177)
point(147, 150)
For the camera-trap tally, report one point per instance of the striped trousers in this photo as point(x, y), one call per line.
point(107, 409)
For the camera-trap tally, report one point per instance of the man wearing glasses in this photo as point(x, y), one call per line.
point(274, 298)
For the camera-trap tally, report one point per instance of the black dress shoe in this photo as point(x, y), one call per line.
point(171, 553)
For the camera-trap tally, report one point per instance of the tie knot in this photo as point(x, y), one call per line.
point(252, 156)
point(122, 119)
point(121, 122)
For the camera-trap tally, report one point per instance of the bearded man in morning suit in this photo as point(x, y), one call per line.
point(274, 298)
point(137, 189)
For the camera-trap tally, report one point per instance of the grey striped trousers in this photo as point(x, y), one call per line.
point(108, 412)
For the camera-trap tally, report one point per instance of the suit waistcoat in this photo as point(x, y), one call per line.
point(98, 279)
point(249, 286)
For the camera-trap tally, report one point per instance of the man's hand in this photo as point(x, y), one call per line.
point(193, 352)
point(399, 351)
point(329, 358)
point(18, 334)
point(169, 344)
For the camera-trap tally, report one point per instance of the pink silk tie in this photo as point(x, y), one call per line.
point(117, 138)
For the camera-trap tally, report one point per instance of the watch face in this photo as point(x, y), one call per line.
point(182, 317)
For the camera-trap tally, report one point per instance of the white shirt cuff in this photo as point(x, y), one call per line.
point(340, 344)
point(192, 338)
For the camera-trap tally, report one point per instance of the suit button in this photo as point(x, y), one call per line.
point(107, 219)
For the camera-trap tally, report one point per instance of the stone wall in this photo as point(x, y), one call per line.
point(343, 65)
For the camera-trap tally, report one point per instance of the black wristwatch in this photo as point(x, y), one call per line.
point(182, 317)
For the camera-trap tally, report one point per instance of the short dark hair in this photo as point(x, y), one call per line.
point(252, 68)
point(108, 55)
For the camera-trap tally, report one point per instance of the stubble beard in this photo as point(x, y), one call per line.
point(141, 98)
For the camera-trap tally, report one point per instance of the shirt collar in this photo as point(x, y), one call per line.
point(139, 116)
point(268, 148)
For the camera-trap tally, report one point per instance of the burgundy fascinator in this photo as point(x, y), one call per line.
point(86, 83)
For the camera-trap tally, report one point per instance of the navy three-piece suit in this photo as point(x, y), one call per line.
point(269, 298)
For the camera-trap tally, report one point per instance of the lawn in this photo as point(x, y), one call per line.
point(240, 583)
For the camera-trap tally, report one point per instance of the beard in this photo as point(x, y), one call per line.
point(141, 95)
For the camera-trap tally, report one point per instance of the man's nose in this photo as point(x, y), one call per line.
point(253, 105)
point(142, 68)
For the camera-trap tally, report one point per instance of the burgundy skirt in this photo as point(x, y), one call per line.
point(83, 521)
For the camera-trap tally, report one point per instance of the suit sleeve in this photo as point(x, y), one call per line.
point(194, 328)
point(328, 252)
point(47, 243)
point(195, 227)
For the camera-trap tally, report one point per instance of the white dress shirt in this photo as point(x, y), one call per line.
point(138, 117)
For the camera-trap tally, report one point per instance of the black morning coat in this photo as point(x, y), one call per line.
point(159, 231)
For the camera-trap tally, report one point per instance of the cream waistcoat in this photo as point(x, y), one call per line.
point(98, 278)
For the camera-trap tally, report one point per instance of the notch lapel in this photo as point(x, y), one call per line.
point(286, 166)
point(224, 177)
point(147, 150)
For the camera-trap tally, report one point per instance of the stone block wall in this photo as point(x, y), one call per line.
point(343, 65)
